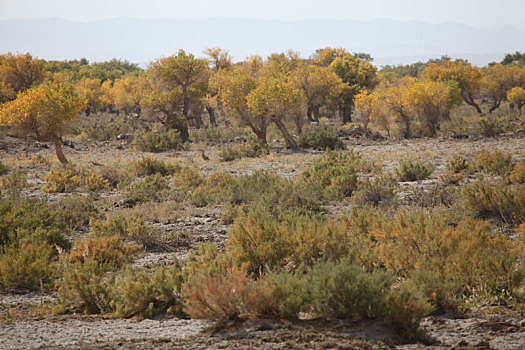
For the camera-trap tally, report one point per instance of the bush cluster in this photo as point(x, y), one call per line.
point(413, 171)
point(158, 141)
point(320, 138)
point(250, 149)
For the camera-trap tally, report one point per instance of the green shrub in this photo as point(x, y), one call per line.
point(95, 182)
point(104, 131)
point(150, 166)
point(4, 169)
point(251, 149)
point(14, 181)
point(187, 179)
point(158, 141)
point(27, 266)
point(320, 138)
point(334, 174)
point(151, 188)
point(375, 192)
point(490, 201)
point(143, 293)
point(459, 165)
point(497, 163)
point(490, 127)
point(62, 180)
point(413, 171)
point(132, 228)
point(75, 211)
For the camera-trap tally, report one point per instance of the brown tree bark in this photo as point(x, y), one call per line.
point(288, 139)
point(211, 112)
point(59, 152)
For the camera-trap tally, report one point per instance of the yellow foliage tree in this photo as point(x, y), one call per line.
point(128, 92)
point(45, 112)
point(18, 73)
point(460, 75)
point(516, 96)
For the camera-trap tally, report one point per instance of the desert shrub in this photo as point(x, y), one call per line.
point(75, 211)
point(103, 131)
point(433, 196)
point(344, 290)
point(334, 174)
point(4, 169)
point(490, 201)
point(41, 160)
point(497, 163)
point(490, 127)
point(375, 192)
point(455, 257)
point(14, 181)
point(517, 175)
point(187, 179)
point(158, 141)
point(458, 165)
point(117, 174)
point(106, 250)
point(27, 266)
point(86, 287)
point(413, 171)
point(404, 307)
point(320, 138)
point(150, 166)
point(29, 238)
point(143, 293)
point(62, 180)
point(221, 297)
point(250, 149)
point(452, 178)
point(132, 228)
point(31, 221)
point(95, 182)
point(151, 188)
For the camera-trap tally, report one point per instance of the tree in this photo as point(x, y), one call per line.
point(464, 75)
point(516, 96)
point(395, 98)
point(93, 92)
point(182, 71)
point(218, 58)
point(320, 86)
point(18, 73)
point(430, 102)
point(356, 75)
point(497, 81)
point(233, 88)
point(516, 58)
point(276, 96)
point(128, 92)
point(369, 106)
point(44, 112)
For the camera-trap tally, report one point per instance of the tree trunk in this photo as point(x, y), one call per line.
point(346, 114)
point(211, 112)
point(58, 150)
point(288, 139)
point(186, 103)
point(309, 114)
point(298, 123)
point(495, 105)
point(315, 111)
point(469, 99)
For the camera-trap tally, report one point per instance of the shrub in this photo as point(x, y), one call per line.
point(490, 127)
point(129, 228)
point(27, 266)
point(497, 163)
point(251, 149)
point(458, 165)
point(104, 131)
point(491, 201)
point(148, 293)
point(320, 138)
point(375, 192)
point(458, 257)
point(152, 188)
point(517, 175)
point(75, 211)
point(150, 166)
point(221, 297)
point(412, 171)
point(14, 181)
point(117, 175)
point(95, 182)
point(104, 251)
point(4, 169)
point(29, 235)
point(158, 141)
point(64, 179)
point(334, 174)
point(435, 195)
point(187, 179)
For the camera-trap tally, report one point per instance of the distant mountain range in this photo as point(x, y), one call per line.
point(142, 40)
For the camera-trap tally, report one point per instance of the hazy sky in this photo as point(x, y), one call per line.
point(480, 13)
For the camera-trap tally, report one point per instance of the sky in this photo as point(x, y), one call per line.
point(489, 14)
